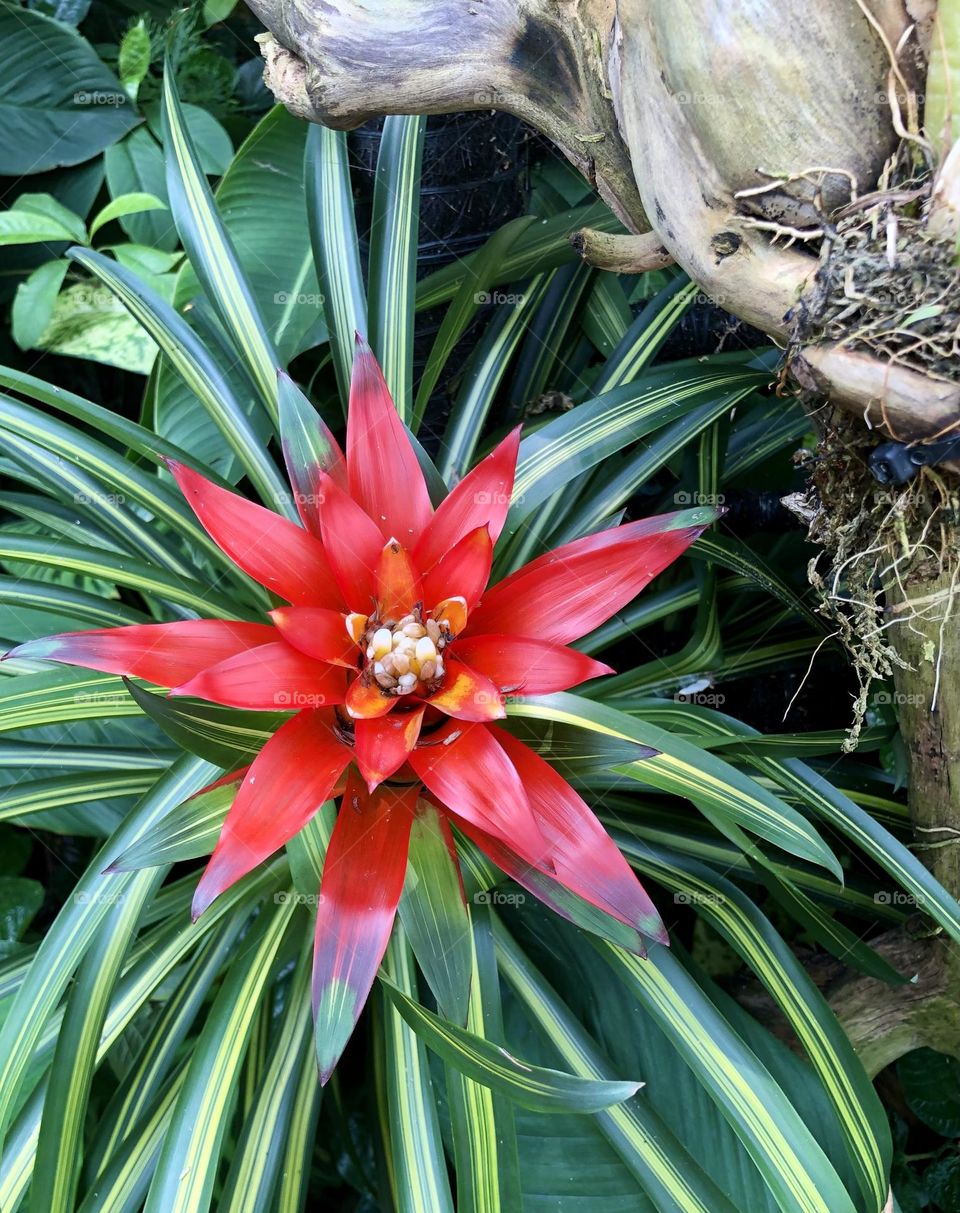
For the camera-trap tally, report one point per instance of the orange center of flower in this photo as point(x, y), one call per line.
point(406, 656)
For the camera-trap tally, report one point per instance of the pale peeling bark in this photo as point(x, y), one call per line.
point(671, 108)
point(543, 60)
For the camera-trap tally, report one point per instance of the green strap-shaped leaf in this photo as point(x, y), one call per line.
point(485, 372)
point(259, 1156)
point(61, 695)
point(155, 1063)
point(78, 605)
point(683, 769)
point(125, 481)
point(41, 795)
point(434, 915)
point(190, 1158)
point(70, 935)
point(190, 831)
point(646, 335)
point(482, 1120)
point(673, 1179)
point(479, 272)
point(394, 232)
point(333, 234)
point(563, 449)
point(862, 1118)
point(121, 570)
point(227, 736)
point(793, 1166)
point(534, 1087)
point(124, 1183)
point(197, 367)
point(418, 1171)
point(60, 1143)
point(211, 252)
point(543, 247)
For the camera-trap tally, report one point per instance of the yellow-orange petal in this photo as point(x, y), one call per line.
point(452, 612)
point(467, 695)
point(397, 581)
point(366, 701)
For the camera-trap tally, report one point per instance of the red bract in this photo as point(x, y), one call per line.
point(394, 657)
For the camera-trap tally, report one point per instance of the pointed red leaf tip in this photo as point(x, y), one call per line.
point(482, 498)
point(270, 549)
point(568, 592)
point(383, 744)
point(353, 543)
point(288, 781)
point(469, 772)
point(363, 875)
point(463, 572)
point(319, 633)
point(273, 678)
point(527, 666)
point(162, 653)
point(308, 448)
point(586, 860)
point(382, 467)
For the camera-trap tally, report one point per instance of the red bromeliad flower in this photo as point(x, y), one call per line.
point(395, 657)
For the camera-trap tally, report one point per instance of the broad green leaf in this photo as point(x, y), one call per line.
point(34, 302)
point(931, 1088)
point(394, 231)
point(59, 104)
point(40, 219)
point(135, 165)
point(90, 322)
point(542, 1090)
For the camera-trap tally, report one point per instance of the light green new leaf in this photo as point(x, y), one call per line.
point(125, 204)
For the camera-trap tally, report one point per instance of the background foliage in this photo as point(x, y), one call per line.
point(180, 242)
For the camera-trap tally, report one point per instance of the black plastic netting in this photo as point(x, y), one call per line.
point(475, 178)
